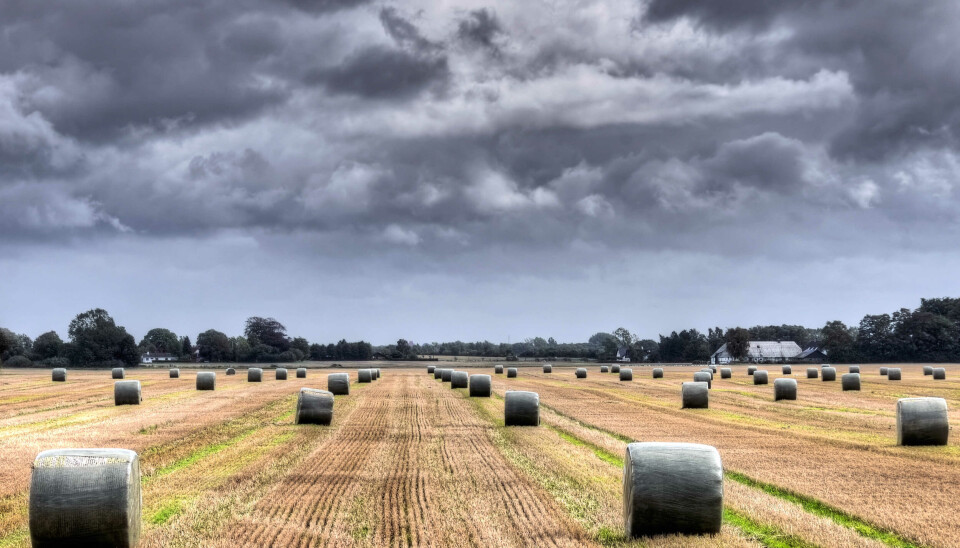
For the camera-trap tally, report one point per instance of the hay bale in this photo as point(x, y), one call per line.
point(883, 371)
point(377, 373)
point(658, 372)
point(206, 380)
point(604, 369)
point(480, 386)
point(548, 368)
point(498, 369)
point(813, 372)
point(854, 369)
point(301, 372)
point(254, 374)
point(314, 407)
point(581, 372)
point(460, 379)
point(85, 497)
point(366, 375)
point(231, 371)
point(707, 370)
point(521, 408)
point(850, 381)
point(338, 384)
point(786, 370)
point(614, 368)
point(927, 370)
point(431, 369)
point(760, 377)
point(672, 488)
point(174, 373)
point(695, 395)
point(127, 393)
point(446, 375)
point(829, 374)
point(280, 374)
point(751, 370)
point(511, 372)
point(784, 389)
point(893, 374)
point(117, 373)
point(922, 421)
point(626, 374)
point(726, 373)
point(437, 373)
point(59, 374)
point(703, 376)
point(939, 373)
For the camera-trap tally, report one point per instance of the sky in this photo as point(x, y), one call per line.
point(476, 170)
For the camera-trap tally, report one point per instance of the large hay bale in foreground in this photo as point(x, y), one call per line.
point(893, 374)
point(883, 371)
point(206, 380)
point(301, 372)
point(280, 374)
point(751, 370)
point(828, 374)
point(581, 372)
point(702, 376)
point(174, 373)
point(614, 368)
point(813, 372)
point(694, 395)
point(927, 370)
point(786, 370)
point(314, 407)
point(480, 386)
point(127, 393)
point(626, 374)
point(672, 488)
point(85, 497)
point(460, 379)
point(760, 376)
point(254, 374)
point(521, 408)
point(231, 371)
point(118, 373)
point(922, 421)
point(446, 375)
point(726, 373)
point(939, 373)
point(784, 389)
point(604, 369)
point(854, 369)
point(511, 372)
point(658, 372)
point(498, 369)
point(850, 381)
point(59, 374)
point(438, 373)
point(338, 384)
point(431, 369)
point(548, 368)
point(366, 375)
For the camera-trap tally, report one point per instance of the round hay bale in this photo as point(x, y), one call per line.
point(480, 386)
point(446, 375)
point(280, 374)
point(751, 370)
point(231, 371)
point(206, 380)
point(939, 373)
point(127, 393)
point(59, 374)
point(604, 369)
point(521, 408)
point(695, 395)
point(784, 389)
point(254, 374)
point(850, 381)
point(301, 372)
point(511, 372)
point(893, 374)
point(829, 374)
point(786, 370)
point(707, 370)
point(377, 371)
point(713, 368)
point(366, 375)
point(581, 372)
point(438, 373)
point(626, 374)
point(338, 384)
point(85, 497)
point(117, 373)
point(460, 379)
point(927, 370)
point(314, 407)
point(813, 372)
point(854, 369)
point(548, 368)
point(614, 368)
point(726, 373)
point(174, 373)
point(431, 369)
point(672, 488)
point(498, 369)
point(922, 421)
point(760, 377)
point(883, 371)
point(703, 376)
point(658, 372)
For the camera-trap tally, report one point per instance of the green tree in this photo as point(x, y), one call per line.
point(213, 345)
point(738, 343)
point(840, 341)
point(96, 340)
point(267, 331)
point(403, 348)
point(301, 344)
point(623, 337)
point(240, 349)
point(49, 345)
point(162, 340)
point(186, 347)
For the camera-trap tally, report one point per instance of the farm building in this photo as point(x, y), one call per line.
point(761, 352)
point(151, 357)
point(812, 355)
point(623, 354)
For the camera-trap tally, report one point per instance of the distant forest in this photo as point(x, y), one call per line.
point(930, 333)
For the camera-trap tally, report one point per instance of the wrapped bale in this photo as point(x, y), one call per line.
point(694, 395)
point(498, 369)
point(893, 374)
point(672, 488)
point(658, 372)
point(511, 372)
point(446, 375)
point(85, 497)
point(850, 381)
point(939, 373)
point(786, 370)
point(702, 376)
point(922, 421)
point(174, 373)
point(117, 373)
point(927, 370)
point(784, 389)
point(314, 407)
point(829, 374)
point(206, 380)
point(548, 368)
point(626, 374)
point(614, 368)
point(377, 375)
point(431, 368)
point(280, 374)
point(59, 374)
point(437, 373)
point(581, 373)
point(521, 408)
point(338, 384)
point(883, 371)
point(480, 386)
point(813, 372)
point(366, 375)
point(760, 377)
point(254, 374)
point(708, 370)
point(127, 393)
point(604, 369)
point(854, 369)
point(231, 371)
point(460, 379)
point(301, 372)
point(751, 370)
point(726, 373)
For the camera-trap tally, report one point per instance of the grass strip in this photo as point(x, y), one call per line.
point(15, 538)
point(764, 534)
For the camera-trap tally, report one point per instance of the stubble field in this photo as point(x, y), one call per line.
point(408, 461)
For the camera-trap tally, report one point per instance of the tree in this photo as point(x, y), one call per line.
point(240, 349)
point(301, 344)
point(738, 343)
point(186, 347)
point(623, 337)
point(7, 341)
point(49, 345)
point(403, 348)
point(267, 331)
point(96, 340)
point(162, 340)
point(839, 341)
point(214, 345)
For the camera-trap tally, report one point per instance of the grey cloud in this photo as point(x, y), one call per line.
point(481, 28)
point(379, 72)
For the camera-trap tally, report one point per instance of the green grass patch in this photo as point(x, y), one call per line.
point(168, 510)
point(200, 454)
point(148, 429)
point(764, 534)
point(15, 538)
point(601, 453)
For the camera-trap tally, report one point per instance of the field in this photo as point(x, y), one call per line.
point(408, 461)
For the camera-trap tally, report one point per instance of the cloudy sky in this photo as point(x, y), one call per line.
point(476, 170)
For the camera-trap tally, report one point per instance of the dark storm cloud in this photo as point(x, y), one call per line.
point(382, 72)
point(481, 27)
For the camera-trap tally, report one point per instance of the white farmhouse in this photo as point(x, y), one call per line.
point(760, 352)
point(151, 357)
